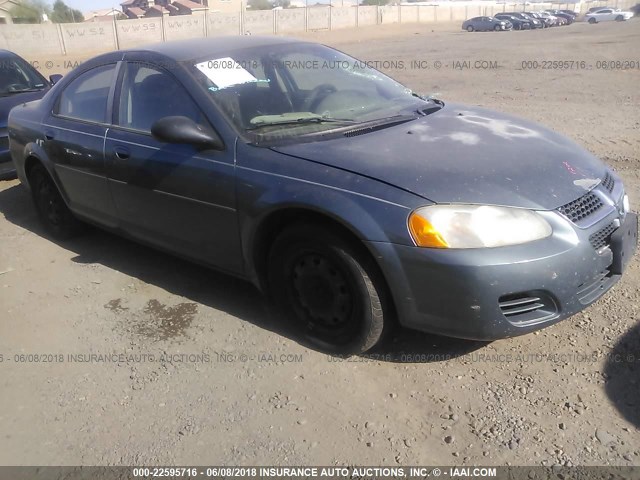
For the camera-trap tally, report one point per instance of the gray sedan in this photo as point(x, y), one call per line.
point(351, 201)
point(486, 24)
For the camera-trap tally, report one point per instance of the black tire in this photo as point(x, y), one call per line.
point(470, 28)
point(592, 20)
point(619, 18)
point(331, 293)
point(52, 210)
point(497, 28)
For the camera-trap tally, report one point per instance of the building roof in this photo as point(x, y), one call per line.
point(189, 4)
point(137, 11)
point(157, 9)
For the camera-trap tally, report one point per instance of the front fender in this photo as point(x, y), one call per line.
point(270, 182)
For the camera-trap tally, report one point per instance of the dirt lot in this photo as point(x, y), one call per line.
point(213, 379)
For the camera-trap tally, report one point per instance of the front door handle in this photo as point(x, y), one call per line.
point(122, 153)
point(48, 135)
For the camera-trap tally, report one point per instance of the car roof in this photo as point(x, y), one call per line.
point(182, 50)
point(7, 53)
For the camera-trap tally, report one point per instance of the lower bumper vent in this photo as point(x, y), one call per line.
point(527, 308)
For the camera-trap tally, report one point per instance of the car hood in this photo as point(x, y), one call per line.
point(7, 103)
point(464, 154)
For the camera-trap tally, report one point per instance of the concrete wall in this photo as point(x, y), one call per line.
point(367, 15)
point(32, 39)
point(259, 23)
point(291, 20)
point(224, 24)
point(139, 32)
point(85, 39)
point(318, 18)
point(182, 27)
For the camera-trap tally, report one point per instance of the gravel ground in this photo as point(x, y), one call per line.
point(208, 377)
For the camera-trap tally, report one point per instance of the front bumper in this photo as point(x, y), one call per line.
point(487, 294)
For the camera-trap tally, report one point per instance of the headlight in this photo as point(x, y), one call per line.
point(473, 226)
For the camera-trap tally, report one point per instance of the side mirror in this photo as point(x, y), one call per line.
point(55, 78)
point(177, 129)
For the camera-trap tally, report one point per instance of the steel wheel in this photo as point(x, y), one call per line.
point(329, 290)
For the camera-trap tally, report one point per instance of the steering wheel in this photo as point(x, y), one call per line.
point(14, 87)
point(337, 101)
point(317, 95)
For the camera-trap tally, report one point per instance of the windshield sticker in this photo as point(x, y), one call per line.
point(225, 72)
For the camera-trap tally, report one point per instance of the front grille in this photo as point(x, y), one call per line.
point(527, 308)
point(608, 182)
point(581, 208)
point(601, 238)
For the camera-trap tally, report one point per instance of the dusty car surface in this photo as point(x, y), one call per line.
point(19, 83)
point(349, 199)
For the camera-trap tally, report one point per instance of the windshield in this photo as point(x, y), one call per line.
point(17, 76)
point(302, 89)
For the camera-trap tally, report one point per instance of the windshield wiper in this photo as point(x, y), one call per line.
point(24, 90)
point(295, 118)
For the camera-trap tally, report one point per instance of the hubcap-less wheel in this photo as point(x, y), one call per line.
point(53, 212)
point(329, 289)
point(49, 203)
point(322, 292)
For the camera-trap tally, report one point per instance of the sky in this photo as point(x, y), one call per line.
point(88, 5)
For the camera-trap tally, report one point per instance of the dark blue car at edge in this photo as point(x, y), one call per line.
point(19, 83)
point(351, 201)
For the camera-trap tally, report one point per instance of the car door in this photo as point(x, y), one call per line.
point(605, 15)
point(174, 196)
point(74, 142)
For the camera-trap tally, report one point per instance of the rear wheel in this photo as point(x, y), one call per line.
point(51, 208)
point(330, 292)
point(470, 28)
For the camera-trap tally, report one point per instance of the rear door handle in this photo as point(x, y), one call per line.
point(122, 153)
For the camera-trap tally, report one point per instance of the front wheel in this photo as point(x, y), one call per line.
point(470, 28)
point(328, 289)
point(592, 21)
point(619, 18)
point(51, 208)
point(497, 28)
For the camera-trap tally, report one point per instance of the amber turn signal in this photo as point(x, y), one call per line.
point(425, 234)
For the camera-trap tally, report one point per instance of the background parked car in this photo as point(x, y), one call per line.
point(518, 23)
point(570, 12)
point(545, 18)
point(485, 24)
point(560, 14)
point(607, 15)
point(19, 83)
point(595, 9)
point(535, 23)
